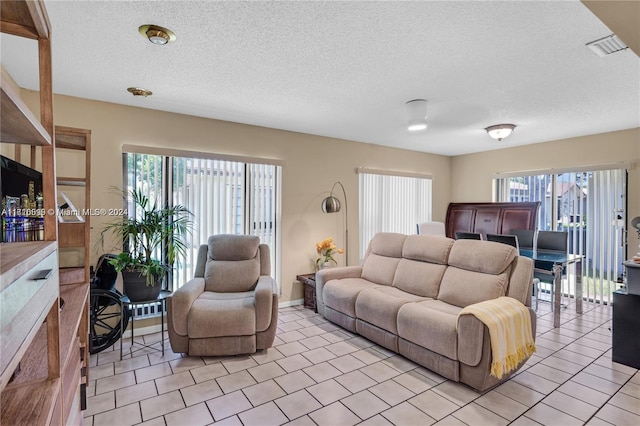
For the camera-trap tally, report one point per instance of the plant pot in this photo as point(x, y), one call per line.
point(136, 288)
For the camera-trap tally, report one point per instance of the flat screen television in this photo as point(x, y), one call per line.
point(15, 178)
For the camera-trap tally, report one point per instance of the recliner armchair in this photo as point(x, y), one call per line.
point(231, 305)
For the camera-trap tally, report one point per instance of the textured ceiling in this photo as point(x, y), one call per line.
point(346, 69)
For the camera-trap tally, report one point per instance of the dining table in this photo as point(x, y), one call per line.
point(559, 261)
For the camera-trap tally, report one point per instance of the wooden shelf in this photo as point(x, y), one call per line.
point(18, 123)
point(33, 366)
point(30, 404)
point(71, 234)
point(72, 275)
point(75, 299)
point(70, 181)
point(25, 19)
point(19, 258)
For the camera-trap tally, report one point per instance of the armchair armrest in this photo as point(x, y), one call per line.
point(325, 275)
point(181, 302)
point(264, 297)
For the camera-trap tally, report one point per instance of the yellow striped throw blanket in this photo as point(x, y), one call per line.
point(509, 327)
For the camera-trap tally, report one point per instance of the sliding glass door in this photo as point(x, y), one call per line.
point(591, 207)
point(225, 197)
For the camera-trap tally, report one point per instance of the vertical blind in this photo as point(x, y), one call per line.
point(392, 203)
point(591, 207)
point(225, 197)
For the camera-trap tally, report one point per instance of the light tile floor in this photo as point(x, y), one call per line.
point(320, 374)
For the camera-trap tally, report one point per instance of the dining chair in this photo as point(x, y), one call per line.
point(526, 237)
point(467, 235)
point(543, 271)
point(514, 240)
point(511, 240)
point(431, 228)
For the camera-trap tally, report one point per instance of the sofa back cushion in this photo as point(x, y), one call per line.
point(383, 255)
point(427, 248)
point(478, 271)
point(233, 263)
point(424, 260)
point(419, 278)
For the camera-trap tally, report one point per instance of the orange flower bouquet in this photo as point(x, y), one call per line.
point(326, 249)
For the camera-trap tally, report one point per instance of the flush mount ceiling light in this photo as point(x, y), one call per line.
point(157, 35)
point(500, 131)
point(138, 91)
point(417, 111)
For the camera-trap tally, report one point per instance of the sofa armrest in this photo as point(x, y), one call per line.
point(263, 295)
point(323, 276)
point(470, 337)
point(181, 302)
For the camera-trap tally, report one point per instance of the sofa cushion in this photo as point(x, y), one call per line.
point(460, 287)
point(482, 256)
point(387, 244)
point(419, 278)
point(233, 247)
point(383, 255)
point(222, 314)
point(341, 294)
point(379, 306)
point(430, 324)
point(380, 269)
point(427, 248)
point(233, 263)
point(231, 276)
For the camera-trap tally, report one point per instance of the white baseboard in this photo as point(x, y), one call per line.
point(291, 303)
point(156, 328)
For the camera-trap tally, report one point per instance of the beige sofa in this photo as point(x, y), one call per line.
point(408, 292)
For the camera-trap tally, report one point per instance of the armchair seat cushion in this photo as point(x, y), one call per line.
point(222, 314)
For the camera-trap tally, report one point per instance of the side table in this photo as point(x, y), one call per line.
point(125, 301)
point(309, 283)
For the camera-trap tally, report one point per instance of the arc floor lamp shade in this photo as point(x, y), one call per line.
point(331, 204)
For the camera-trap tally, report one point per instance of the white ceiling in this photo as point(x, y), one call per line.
point(346, 69)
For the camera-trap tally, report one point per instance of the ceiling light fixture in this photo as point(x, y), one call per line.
point(138, 91)
point(157, 35)
point(500, 131)
point(417, 111)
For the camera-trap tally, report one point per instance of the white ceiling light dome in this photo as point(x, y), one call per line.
point(500, 131)
point(417, 112)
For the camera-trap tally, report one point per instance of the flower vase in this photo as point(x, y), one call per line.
point(325, 265)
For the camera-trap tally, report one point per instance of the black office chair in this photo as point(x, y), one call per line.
point(510, 240)
point(543, 271)
point(467, 235)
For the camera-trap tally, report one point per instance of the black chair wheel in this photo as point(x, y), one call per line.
point(105, 315)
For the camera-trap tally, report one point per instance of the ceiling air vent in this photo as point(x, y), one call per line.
point(607, 45)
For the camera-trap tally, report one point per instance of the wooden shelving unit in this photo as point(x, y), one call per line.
point(74, 235)
point(43, 348)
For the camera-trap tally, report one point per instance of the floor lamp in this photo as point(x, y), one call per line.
point(332, 205)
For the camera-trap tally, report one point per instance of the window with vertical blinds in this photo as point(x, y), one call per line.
point(225, 197)
point(590, 205)
point(392, 203)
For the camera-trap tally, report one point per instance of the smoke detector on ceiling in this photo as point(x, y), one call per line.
point(607, 45)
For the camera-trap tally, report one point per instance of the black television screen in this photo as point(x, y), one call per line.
point(15, 178)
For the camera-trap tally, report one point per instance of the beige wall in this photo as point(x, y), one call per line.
point(311, 165)
point(471, 175)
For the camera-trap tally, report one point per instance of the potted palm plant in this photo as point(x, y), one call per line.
point(148, 230)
